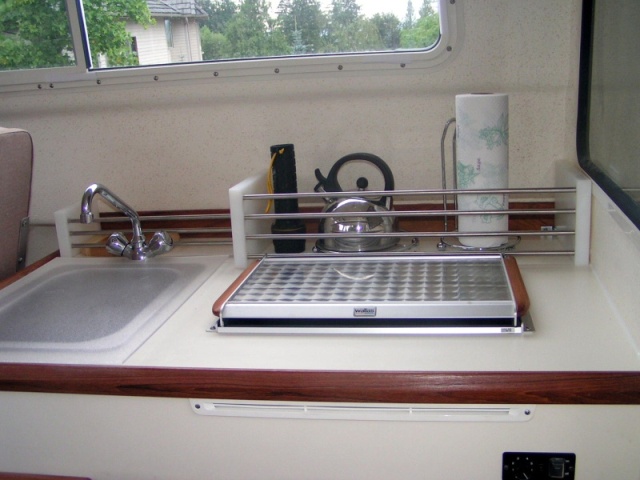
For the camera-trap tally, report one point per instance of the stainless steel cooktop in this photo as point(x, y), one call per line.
point(372, 294)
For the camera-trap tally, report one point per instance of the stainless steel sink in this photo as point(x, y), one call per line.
point(86, 310)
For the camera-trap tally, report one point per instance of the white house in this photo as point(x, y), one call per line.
point(174, 38)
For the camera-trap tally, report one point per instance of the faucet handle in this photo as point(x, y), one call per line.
point(161, 242)
point(118, 245)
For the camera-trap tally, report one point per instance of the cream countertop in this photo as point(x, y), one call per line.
point(576, 330)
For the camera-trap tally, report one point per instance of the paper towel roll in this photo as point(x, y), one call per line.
point(482, 161)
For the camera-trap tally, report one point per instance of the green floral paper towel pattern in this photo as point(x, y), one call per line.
point(482, 141)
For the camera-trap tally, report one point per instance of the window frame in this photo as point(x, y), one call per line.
point(82, 75)
point(614, 191)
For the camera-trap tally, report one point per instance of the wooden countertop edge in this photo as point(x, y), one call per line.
point(35, 476)
point(27, 270)
point(468, 387)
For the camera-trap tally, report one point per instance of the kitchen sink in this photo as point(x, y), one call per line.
point(94, 310)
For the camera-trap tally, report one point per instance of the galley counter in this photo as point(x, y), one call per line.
point(580, 352)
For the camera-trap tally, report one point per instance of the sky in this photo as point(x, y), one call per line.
point(371, 7)
point(398, 7)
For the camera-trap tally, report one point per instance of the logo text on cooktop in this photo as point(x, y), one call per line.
point(364, 311)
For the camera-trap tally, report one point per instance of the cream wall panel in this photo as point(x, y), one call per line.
point(615, 257)
point(182, 145)
point(155, 438)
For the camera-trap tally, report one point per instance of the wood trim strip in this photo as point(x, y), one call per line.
point(27, 270)
point(593, 388)
point(29, 476)
point(219, 303)
point(517, 285)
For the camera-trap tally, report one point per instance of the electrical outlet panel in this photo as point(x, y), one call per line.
point(538, 466)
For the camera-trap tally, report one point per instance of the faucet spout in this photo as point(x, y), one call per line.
point(86, 215)
point(137, 248)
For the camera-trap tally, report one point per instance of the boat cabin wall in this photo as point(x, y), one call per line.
point(181, 145)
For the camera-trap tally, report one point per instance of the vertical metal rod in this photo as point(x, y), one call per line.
point(455, 167)
point(443, 166)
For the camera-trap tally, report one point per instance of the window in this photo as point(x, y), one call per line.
point(134, 45)
point(168, 32)
point(221, 38)
point(608, 114)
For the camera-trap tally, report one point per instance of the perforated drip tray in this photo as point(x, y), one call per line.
point(418, 294)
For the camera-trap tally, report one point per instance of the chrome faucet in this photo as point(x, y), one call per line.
point(137, 248)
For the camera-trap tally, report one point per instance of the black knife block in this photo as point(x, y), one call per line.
point(284, 178)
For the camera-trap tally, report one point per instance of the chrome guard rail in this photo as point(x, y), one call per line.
point(175, 220)
point(563, 232)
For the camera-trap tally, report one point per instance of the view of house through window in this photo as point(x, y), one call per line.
point(124, 33)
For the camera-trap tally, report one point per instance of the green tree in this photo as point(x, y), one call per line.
point(35, 33)
point(409, 17)
point(251, 32)
point(427, 9)
point(425, 31)
point(343, 17)
point(360, 36)
point(344, 12)
point(220, 13)
point(215, 45)
point(303, 22)
point(389, 28)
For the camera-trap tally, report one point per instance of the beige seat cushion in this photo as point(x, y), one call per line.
point(16, 161)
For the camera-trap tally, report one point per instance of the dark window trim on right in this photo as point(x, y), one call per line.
point(623, 200)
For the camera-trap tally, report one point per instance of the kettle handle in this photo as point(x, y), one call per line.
point(331, 184)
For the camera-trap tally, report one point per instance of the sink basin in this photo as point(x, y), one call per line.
point(89, 310)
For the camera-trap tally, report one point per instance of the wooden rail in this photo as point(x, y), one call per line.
point(591, 388)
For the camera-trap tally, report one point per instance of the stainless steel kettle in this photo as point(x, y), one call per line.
point(363, 224)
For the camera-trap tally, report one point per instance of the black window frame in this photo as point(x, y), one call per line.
point(622, 199)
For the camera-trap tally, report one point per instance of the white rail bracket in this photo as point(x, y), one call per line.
point(243, 247)
point(570, 175)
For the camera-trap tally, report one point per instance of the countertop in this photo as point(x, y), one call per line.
point(575, 330)
point(580, 352)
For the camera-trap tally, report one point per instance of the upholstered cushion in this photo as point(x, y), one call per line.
point(16, 160)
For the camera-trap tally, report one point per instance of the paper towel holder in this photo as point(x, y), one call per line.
point(444, 243)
